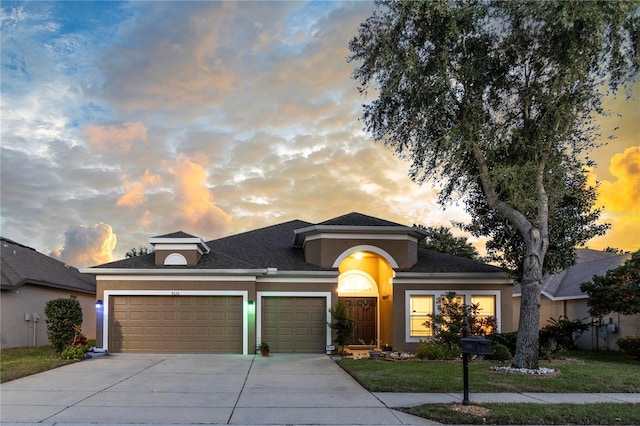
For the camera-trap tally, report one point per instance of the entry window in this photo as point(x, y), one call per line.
point(420, 309)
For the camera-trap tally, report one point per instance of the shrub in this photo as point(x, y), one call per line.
point(73, 352)
point(63, 315)
point(562, 333)
point(507, 339)
point(500, 352)
point(342, 323)
point(433, 350)
point(630, 344)
point(77, 347)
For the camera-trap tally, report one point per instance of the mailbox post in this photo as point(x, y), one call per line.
point(474, 345)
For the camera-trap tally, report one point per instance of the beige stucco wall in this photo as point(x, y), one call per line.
point(15, 331)
point(324, 252)
point(192, 256)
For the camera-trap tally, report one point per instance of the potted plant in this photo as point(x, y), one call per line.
point(264, 348)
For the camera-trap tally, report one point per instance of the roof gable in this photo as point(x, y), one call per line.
point(24, 265)
point(358, 219)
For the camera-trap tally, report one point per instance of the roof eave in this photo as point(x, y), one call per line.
point(129, 271)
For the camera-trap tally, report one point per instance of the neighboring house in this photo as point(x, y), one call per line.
point(31, 279)
point(561, 296)
point(277, 285)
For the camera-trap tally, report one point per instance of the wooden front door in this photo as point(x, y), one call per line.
point(363, 312)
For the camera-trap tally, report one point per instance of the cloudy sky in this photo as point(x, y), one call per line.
point(122, 121)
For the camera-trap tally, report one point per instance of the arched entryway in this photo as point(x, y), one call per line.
point(365, 284)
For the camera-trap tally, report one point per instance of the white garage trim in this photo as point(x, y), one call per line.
point(178, 293)
point(261, 294)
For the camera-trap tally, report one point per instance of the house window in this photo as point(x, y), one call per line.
point(486, 307)
point(420, 309)
point(419, 304)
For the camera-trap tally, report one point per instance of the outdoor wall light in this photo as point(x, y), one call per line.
point(99, 304)
point(251, 304)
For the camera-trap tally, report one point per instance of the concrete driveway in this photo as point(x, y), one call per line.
point(196, 389)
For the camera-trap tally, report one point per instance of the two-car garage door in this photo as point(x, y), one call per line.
point(185, 324)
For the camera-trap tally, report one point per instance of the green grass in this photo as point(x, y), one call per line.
point(534, 414)
point(21, 362)
point(596, 372)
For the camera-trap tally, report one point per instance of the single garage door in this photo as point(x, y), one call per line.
point(175, 324)
point(295, 324)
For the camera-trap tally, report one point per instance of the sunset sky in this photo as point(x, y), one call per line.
point(121, 121)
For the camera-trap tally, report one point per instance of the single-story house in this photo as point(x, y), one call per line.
point(31, 279)
point(277, 285)
point(562, 296)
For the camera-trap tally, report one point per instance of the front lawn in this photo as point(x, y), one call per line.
point(582, 372)
point(586, 372)
point(530, 414)
point(21, 362)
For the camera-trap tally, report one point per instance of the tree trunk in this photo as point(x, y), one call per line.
point(528, 342)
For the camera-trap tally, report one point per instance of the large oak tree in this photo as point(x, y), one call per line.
point(495, 101)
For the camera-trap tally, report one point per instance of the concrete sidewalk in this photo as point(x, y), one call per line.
point(196, 389)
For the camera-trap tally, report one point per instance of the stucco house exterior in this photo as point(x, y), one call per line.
point(277, 284)
point(562, 296)
point(31, 279)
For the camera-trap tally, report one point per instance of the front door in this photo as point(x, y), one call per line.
point(363, 312)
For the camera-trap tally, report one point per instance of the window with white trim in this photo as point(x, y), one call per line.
point(419, 304)
point(420, 309)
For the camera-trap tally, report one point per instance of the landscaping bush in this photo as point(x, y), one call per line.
point(433, 350)
point(499, 352)
point(77, 346)
point(630, 344)
point(507, 339)
point(63, 316)
point(562, 333)
point(342, 323)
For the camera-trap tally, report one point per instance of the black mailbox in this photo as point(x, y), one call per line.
point(476, 345)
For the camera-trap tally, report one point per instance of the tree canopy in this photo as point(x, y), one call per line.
point(140, 251)
point(616, 291)
point(495, 102)
point(441, 239)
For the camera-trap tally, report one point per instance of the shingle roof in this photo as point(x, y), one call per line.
point(273, 247)
point(434, 262)
point(358, 219)
point(24, 265)
point(178, 234)
point(566, 284)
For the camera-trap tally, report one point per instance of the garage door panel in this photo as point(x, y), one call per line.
point(176, 324)
point(294, 324)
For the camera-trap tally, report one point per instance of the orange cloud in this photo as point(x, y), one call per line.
point(133, 196)
point(135, 193)
point(147, 221)
point(623, 194)
point(87, 246)
point(113, 138)
point(621, 201)
point(194, 201)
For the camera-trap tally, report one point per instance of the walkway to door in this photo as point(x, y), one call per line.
point(196, 389)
